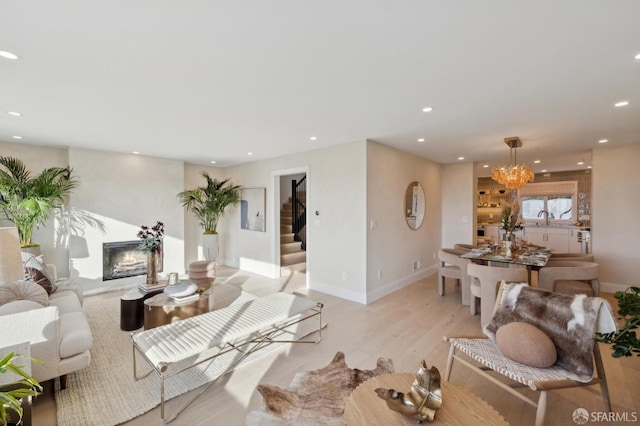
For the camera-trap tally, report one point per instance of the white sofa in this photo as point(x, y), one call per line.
point(55, 325)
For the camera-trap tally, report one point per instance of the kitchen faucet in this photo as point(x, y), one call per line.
point(546, 216)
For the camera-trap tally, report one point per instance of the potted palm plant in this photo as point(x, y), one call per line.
point(27, 386)
point(208, 204)
point(28, 200)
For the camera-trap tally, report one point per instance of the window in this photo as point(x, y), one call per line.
point(557, 200)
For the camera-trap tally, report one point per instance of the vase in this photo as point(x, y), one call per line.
point(210, 246)
point(152, 267)
point(507, 241)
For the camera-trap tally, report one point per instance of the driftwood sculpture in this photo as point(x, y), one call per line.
point(423, 399)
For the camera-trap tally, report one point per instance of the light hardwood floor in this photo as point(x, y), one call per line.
point(406, 326)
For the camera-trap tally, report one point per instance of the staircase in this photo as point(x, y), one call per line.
point(292, 257)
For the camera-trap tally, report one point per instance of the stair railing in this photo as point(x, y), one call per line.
point(299, 207)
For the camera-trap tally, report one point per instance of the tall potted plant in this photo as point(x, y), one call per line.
point(208, 204)
point(28, 200)
point(10, 399)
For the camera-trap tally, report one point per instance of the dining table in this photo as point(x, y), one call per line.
point(531, 257)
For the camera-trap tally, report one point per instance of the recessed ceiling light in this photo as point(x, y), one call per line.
point(427, 109)
point(621, 104)
point(421, 140)
point(249, 153)
point(637, 56)
point(588, 167)
point(17, 137)
point(603, 141)
point(546, 174)
point(213, 162)
point(580, 163)
point(136, 152)
point(460, 158)
point(313, 138)
point(543, 170)
point(14, 113)
point(536, 161)
point(485, 166)
point(8, 55)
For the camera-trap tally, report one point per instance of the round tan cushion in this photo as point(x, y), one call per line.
point(23, 290)
point(526, 344)
point(202, 265)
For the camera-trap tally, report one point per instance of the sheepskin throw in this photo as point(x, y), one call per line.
point(570, 321)
point(315, 397)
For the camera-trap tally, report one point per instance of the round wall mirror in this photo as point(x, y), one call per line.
point(414, 205)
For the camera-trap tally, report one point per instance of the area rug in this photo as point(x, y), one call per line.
point(314, 397)
point(94, 392)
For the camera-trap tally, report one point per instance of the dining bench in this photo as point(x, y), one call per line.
point(243, 327)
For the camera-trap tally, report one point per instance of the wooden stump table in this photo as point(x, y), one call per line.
point(459, 407)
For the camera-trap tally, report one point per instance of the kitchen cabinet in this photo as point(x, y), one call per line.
point(575, 245)
point(554, 238)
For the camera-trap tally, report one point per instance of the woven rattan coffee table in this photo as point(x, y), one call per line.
point(459, 407)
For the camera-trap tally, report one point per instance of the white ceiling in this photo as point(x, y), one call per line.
point(213, 80)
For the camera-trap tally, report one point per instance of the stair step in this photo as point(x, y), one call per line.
point(286, 238)
point(286, 229)
point(286, 220)
point(294, 247)
point(293, 258)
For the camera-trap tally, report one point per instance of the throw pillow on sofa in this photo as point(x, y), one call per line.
point(37, 271)
point(23, 290)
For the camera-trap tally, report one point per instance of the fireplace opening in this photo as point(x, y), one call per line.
point(123, 259)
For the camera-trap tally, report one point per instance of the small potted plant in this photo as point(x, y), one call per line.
point(27, 386)
point(151, 244)
point(208, 203)
point(625, 342)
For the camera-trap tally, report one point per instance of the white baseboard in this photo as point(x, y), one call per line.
point(398, 284)
point(612, 287)
point(340, 292)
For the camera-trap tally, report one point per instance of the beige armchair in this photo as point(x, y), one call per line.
point(570, 277)
point(484, 283)
point(453, 266)
point(465, 247)
point(580, 257)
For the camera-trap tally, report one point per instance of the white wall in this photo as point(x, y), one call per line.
point(336, 237)
point(616, 203)
point(392, 246)
point(124, 191)
point(458, 204)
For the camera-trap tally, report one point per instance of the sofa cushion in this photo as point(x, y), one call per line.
point(19, 306)
point(526, 344)
point(75, 333)
point(37, 270)
point(66, 301)
point(23, 290)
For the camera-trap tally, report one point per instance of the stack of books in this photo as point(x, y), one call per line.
point(149, 288)
point(180, 299)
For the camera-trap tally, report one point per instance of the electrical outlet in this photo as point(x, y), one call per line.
point(379, 274)
point(419, 264)
point(344, 276)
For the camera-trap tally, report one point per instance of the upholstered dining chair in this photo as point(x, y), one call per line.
point(465, 247)
point(484, 282)
point(451, 265)
point(575, 357)
point(570, 277)
point(580, 257)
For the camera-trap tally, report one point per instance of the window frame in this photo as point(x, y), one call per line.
point(545, 190)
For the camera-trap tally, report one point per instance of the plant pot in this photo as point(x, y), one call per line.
point(210, 246)
point(29, 252)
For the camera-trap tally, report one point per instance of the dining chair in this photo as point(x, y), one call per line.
point(483, 355)
point(581, 257)
point(451, 265)
point(570, 277)
point(484, 282)
point(466, 247)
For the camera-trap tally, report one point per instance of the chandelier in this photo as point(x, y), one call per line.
point(514, 175)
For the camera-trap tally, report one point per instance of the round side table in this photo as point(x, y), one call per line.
point(131, 308)
point(459, 407)
point(161, 309)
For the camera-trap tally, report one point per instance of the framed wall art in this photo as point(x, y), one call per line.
point(252, 209)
